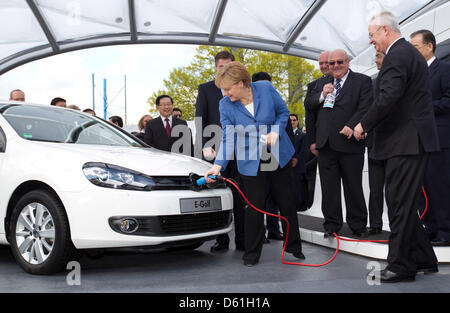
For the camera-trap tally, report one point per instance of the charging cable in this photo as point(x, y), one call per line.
point(202, 181)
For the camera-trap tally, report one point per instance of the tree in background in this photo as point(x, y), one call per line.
point(290, 75)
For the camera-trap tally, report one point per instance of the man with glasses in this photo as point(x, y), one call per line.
point(437, 174)
point(158, 131)
point(404, 133)
point(341, 156)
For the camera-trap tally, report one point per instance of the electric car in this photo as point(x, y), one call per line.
point(70, 181)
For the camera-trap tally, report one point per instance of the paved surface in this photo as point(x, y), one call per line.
point(200, 271)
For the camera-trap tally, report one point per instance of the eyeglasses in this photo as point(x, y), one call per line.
point(332, 63)
point(164, 105)
point(177, 115)
point(372, 34)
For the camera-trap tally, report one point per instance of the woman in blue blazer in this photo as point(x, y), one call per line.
point(253, 118)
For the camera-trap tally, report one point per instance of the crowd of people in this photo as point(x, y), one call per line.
point(248, 134)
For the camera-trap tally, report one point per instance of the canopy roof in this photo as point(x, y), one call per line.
point(34, 29)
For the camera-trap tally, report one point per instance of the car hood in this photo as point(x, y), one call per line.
point(148, 161)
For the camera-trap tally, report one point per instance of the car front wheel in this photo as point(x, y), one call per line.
point(40, 235)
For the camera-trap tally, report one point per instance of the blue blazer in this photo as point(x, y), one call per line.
point(242, 130)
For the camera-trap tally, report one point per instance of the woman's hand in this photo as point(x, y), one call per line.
point(214, 170)
point(272, 138)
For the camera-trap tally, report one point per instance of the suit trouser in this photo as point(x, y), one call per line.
point(437, 186)
point(376, 185)
point(408, 243)
point(280, 186)
point(231, 172)
point(333, 167)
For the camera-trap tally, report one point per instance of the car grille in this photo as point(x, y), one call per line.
point(175, 225)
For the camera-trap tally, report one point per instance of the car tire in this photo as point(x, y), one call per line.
point(40, 234)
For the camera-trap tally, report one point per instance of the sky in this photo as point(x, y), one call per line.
point(69, 75)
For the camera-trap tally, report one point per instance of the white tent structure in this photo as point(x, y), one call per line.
point(34, 29)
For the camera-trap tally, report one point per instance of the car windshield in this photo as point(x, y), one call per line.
point(52, 124)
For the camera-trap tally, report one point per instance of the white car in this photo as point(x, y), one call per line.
point(71, 181)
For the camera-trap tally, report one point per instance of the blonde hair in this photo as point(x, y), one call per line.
point(233, 73)
point(141, 121)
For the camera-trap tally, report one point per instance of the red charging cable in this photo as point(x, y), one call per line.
point(335, 235)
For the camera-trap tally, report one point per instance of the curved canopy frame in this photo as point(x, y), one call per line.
point(35, 29)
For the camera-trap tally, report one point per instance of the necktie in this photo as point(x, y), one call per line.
point(167, 127)
point(338, 87)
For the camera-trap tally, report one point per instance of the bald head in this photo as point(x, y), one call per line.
point(339, 63)
point(323, 63)
point(17, 95)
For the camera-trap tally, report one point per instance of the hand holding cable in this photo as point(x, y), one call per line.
point(213, 171)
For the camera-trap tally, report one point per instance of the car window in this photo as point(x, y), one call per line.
point(51, 124)
point(2, 141)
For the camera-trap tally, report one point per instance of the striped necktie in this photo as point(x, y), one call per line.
point(338, 87)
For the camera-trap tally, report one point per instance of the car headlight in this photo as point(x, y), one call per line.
point(111, 176)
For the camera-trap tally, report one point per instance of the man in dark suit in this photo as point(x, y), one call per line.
point(299, 164)
point(207, 111)
point(160, 132)
point(376, 174)
point(405, 133)
point(310, 123)
point(437, 175)
point(341, 157)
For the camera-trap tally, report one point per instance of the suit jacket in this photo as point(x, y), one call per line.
point(155, 134)
point(207, 107)
point(369, 137)
point(301, 148)
point(313, 91)
point(402, 111)
point(242, 130)
point(350, 106)
point(440, 92)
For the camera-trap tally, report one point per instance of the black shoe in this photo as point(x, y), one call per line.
point(219, 247)
point(250, 263)
point(329, 234)
point(374, 231)
point(275, 236)
point(386, 276)
point(360, 233)
point(299, 255)
point(427, 269)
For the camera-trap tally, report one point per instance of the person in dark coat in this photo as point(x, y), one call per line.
point(160, 133)
point(437, 175)
point(341, 157)
point(405, 132)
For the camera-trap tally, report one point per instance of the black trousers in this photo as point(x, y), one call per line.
point(437, 186)
point(281, 189)
point(231, 172)
point(408, 243)
point(333, 167)
point(376, 185)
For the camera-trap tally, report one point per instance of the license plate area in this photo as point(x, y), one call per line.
point(191, 205)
